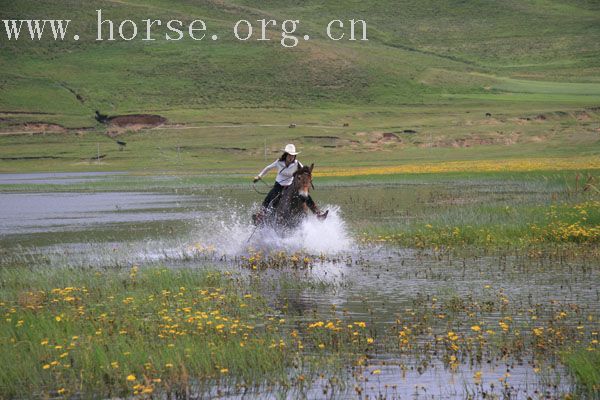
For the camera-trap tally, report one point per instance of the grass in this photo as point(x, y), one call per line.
point(83, 332)
point(163, 331)
point(491, 226)
point(211, 143)
point(584, 364)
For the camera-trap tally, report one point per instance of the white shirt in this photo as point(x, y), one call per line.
point(285, 175)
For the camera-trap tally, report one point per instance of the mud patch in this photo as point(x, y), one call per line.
point(119, 124)
point(582, 116)
point(134, 120)
point(474, 140)
point(390, 136)
point(34, 128)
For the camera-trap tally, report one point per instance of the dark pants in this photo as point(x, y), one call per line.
point(274, 196)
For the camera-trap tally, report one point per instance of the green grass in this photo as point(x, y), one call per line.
point(481, 212)
point(418, 53)
point(584, 364)
point(233, 141)
point(86, 332)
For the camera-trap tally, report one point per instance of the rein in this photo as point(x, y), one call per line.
point(256, 190)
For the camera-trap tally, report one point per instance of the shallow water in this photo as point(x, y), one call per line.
point(378, 284)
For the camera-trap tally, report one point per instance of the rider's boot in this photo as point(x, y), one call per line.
point(259, 216)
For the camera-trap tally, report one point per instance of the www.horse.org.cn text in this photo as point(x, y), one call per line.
point(149, 30)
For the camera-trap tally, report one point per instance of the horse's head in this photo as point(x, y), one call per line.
point(303, 180)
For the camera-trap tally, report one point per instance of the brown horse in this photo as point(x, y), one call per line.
point(295, 202)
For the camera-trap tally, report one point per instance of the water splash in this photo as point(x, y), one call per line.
point(231, 233)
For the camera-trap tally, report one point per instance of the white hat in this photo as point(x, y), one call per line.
point(291, 149)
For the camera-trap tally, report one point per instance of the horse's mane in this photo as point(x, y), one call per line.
point(303, 170)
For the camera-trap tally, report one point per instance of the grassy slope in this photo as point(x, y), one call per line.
point(433, 67)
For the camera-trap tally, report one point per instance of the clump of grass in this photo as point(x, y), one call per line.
point(555, 224)
point(584, 364)
point(259, 260)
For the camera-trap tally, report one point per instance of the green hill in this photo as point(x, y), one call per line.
point(426, 64)
point(418, 51)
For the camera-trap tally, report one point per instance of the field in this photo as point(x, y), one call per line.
point(458, 151)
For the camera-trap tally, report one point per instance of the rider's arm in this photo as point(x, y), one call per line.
point(267, 169)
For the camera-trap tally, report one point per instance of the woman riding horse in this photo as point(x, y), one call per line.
point(287, 165)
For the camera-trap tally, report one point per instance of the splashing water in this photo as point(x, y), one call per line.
point(226, 231)
point(231, 233)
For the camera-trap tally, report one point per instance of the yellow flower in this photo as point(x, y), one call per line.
point(475, 328)
point(46, 366)
point(370, 340)
point(57, 318)
point(376, 372)
point(131, 378)
point(224, 370)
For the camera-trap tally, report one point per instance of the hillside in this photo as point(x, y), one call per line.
point(418, 52)
point(460, 74)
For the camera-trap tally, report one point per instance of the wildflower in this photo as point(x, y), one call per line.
point(57, 318)
point(376, 372)
point(131, 378)
point(370, 340)
point(475, 328)
point(46, 366)
point(224, 370)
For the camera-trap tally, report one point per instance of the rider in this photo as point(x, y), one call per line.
point(286, 166)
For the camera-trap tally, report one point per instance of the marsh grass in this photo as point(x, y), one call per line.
point(475, 218)
point(89, 331)
point(584, 364)
point(85, 332)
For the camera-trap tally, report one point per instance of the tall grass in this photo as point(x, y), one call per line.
point(584, 364)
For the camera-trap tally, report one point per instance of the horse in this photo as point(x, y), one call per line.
point(293, 204)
